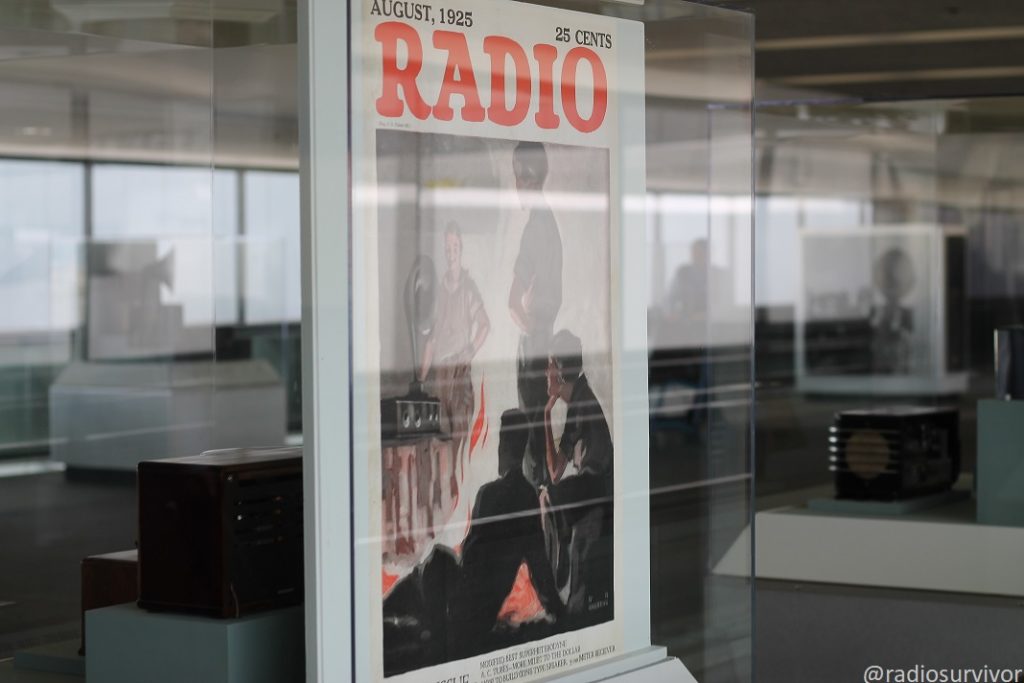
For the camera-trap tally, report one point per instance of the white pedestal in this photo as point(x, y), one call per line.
point(942, 549)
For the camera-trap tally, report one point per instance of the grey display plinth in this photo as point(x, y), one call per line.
point(130, 645)
point(112, 415)
point(1000, 476)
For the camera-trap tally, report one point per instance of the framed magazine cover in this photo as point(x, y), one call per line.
point(488, 216)
point(476, 275)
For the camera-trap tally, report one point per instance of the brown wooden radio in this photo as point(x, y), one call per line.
point(221, 533)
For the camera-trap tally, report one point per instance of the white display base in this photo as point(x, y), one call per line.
point(939, 550)
point(651, 665)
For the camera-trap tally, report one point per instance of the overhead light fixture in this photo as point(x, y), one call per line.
point(854, 78)
point(831, 42)
point(983, 33)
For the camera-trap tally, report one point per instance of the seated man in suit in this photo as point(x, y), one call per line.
point(447, 609)
point(505, 532)
point(577, 505)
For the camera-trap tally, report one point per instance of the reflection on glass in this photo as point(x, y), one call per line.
point(272, 290)
point(873, 314)
point(150, 201)
point(42, 223)
point(104, 247)
point(226, 235)
point(38, 242)
point(170, 207)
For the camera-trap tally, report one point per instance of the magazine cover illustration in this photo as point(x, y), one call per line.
point(486, 214)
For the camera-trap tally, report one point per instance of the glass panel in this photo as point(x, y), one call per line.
point(163, 215)
point(272, 287)
point(701, 342)
point(226, 229)
point(106, 322)
point(256, 263)
point(150, 201)
point(38, 258)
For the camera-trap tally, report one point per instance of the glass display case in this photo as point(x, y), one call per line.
point(523, 289)
point(527, 339)
point(887, 259)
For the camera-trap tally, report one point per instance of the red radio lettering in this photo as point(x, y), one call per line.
point(500, 49)
point(572, 112)
point(545, 56)
point(389, 103)
point(400, 87)
point(458, 79)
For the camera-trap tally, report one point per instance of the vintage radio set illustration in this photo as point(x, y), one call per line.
point(415, 413)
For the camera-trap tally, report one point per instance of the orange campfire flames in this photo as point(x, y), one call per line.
point(389, 581)
point(481, 419)
point(522, 604)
